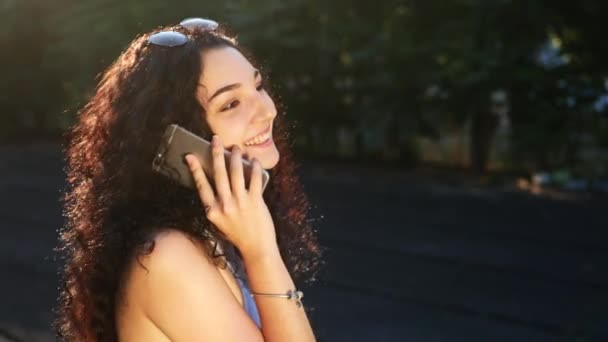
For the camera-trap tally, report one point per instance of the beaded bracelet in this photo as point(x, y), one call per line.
point(291, 295)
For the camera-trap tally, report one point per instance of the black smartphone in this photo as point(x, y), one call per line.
point(177, 142)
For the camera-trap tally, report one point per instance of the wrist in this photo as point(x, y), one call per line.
point(261, 254)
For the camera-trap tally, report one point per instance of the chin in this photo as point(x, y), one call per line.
point(271, 159)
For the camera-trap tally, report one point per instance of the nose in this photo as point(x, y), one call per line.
point(264, 108)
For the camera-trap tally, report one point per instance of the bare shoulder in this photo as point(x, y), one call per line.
point(176, 249)
point(172, 251)
point(181, 292)
point(175, 259)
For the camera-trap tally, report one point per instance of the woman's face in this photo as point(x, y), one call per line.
point(237, 107)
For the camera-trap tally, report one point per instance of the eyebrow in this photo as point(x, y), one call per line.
point(229, 87)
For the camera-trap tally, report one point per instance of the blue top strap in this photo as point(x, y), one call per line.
point(249, 303)
point(248, 300)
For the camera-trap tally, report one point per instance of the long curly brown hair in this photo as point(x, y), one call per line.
point(114, 202)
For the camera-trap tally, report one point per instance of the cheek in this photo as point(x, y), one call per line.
point(231, 129)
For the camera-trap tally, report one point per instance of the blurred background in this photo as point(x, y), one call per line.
point(455, 151)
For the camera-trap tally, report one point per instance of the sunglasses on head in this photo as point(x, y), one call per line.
point(173, 38)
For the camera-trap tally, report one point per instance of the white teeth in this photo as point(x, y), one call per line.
point(258, 140)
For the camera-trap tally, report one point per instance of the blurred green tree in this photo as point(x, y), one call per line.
point(390, 69)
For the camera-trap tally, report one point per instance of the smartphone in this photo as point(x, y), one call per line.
point(177, 142)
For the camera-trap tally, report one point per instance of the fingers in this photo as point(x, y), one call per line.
point(255, 187)
point(220, 175)
point(205, 190)
point(237, 179)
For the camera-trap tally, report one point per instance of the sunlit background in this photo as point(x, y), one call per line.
point(467, 138)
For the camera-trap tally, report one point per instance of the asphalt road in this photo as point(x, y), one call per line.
point(407, 258)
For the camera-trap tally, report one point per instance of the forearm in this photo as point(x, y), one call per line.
point(282, 319)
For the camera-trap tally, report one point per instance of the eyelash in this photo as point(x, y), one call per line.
point(260, 87)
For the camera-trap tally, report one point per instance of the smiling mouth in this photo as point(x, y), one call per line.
point(260, 138)
point(263, 143)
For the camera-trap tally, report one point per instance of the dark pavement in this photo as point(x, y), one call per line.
point(408, 258)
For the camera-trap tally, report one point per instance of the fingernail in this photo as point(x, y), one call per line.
point(186, 159)
point(214, 141)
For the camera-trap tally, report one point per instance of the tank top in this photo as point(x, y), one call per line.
point(235, 264)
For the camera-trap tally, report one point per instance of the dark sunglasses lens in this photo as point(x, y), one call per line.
point(200, 23)
point(168, 38)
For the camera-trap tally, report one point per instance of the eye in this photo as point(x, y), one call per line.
point(230, 105)
point(262, 85)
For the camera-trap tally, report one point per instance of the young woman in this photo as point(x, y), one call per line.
point(149, 260)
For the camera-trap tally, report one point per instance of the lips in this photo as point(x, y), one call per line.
point(258, 138)
point(262, 132)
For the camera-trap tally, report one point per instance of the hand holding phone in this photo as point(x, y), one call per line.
point(241, 214)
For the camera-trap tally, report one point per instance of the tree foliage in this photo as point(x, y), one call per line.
point(409, 65)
